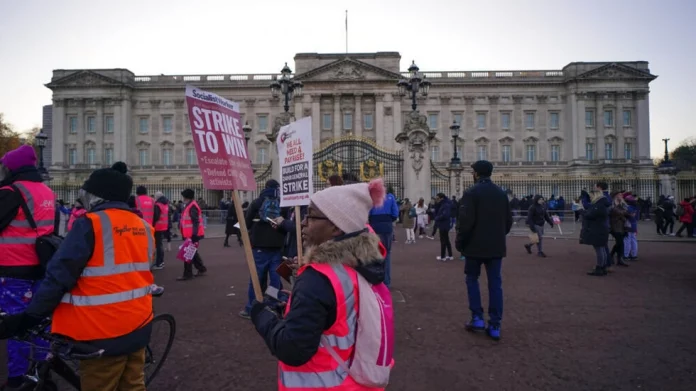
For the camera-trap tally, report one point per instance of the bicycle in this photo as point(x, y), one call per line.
point(62, 354)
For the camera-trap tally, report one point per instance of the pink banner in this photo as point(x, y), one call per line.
point(223, 157)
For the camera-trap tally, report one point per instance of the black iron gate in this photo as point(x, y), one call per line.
point(439, 181)
point(362, 158)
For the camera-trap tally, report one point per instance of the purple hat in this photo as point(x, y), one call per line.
point(20, 157)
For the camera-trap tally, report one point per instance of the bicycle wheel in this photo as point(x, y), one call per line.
point(154, 356)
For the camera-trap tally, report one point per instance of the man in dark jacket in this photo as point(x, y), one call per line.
point(336, 236)
point(537, 216)
point(443, 223)
point(106, 192)
point(484, 221)
point(288, 225)
point(266, 240)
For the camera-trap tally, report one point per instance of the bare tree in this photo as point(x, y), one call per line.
point(9, 139)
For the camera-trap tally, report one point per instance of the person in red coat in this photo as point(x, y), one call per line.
point(687, 218)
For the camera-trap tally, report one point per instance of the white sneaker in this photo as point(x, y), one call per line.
point(440, 259)
point(420, 236)
point(449, 259)
point(430, 237)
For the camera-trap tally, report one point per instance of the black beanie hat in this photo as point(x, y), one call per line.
point(141, 190)
point(110, 184)
point(188, 194)
point(272, 184)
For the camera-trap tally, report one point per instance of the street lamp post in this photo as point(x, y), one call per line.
point(454, 128)
point(416, 83)
point(286, 86)
point(666, 160)
point(40, 140)
point(247, 132)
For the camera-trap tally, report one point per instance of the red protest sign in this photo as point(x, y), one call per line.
point(217, 132)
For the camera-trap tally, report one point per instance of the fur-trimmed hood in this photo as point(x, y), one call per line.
point(360, 252)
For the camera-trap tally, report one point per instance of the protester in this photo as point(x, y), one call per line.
point(323, 305)
point(160, 217)
point(577, 209)
point(192, 228)
point(408, 220)
point(77, 211)
point(631, 240)
point(287, 224)
point(382, 220)
point(266, 240)
point(454, 210)
point(231, 222)
point(70, 288)
point(442, 222)
point(145, 204)
point(686, 218)
point(536, 216)
point(595, 231)
point(133, 205)
point(20, 268)
point(484, 221)
point(432, 212)
point(669, 214)
point(618, 216)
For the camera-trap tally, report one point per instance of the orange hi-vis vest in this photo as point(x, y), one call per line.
point(112, 296)
point(187, 223)
point(18, 240)
point(322, 372)
point(146, 205)
point(162, 224)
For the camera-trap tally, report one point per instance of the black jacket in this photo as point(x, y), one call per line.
point(484, 221)
point(294, 340)
point(231, 220)
point(10, 202)
point(537, 214)
point(62, 273)
point(263, 235)
point(595, 231)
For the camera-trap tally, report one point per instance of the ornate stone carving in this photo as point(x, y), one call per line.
point(469, 100)
point(348, 71)
point(58, 102)
point(481, 141)
point(530, 140)
point(388, 111)
point(517, 99)
point(306, 112)
point(507, 140)
point(542, 98)
point(249, 102)
point(445, 99)
point(417, 133)
point(278, 122)
point(493, 99)
point(178, 103)
point(155, 103)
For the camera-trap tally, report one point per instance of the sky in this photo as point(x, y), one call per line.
point(211, 37)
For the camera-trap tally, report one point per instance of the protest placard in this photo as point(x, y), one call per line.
point(222, 156)
point(294, 144)
point(221, 149)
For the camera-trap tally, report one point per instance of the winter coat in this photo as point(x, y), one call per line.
point(422, 213)
point(231, 220)
point(382, 219)
point(633, 212)
point(289, 228)
point(442, 216)
point(617, 219)
point(406, 220)
point(537, 214)
point(669, 207)
point(294, 339)
point(688, 216)
point(484, 221)
point(595, 231)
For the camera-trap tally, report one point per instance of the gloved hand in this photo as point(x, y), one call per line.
point(195, 238)
point(12, 325)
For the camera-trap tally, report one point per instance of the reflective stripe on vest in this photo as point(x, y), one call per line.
point(187, 222)
point(146, 205)
point(112, 296)
point(18, 239)
point(290, 378)
point(162, 224)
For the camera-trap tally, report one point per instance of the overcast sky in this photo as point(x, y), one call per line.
point(208, 36)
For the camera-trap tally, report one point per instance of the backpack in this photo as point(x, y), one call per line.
point(46, 245)
point(412, 213)
point(374, 342)
point(680, 210)
point(270, 209)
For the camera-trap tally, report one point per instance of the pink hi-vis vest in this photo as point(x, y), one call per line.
point(322, 371)
point(162, 224)
point(18, 240)
point(74, 215)
point(187, 224)
point(146, 205)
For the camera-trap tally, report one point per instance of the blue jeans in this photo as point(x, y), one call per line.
point(15, 295)
point(267, 261)
point(472, 269)
point(386, 239)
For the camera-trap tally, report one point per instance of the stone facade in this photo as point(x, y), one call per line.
point(584, 119)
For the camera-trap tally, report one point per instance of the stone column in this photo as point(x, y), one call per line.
point(316, 120)
point(455, 173)
point(379, 117)
point(99, 148)
point(357, 120)
point(337, 131)
point(81, 129)
point(599, 127)
point(642, 125)
point(397, 116)
point(415, 140)
point(578, 132)
point(58, 133)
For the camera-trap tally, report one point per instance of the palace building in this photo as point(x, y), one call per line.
point(546, 131)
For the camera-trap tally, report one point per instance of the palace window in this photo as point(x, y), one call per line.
point(555, 153)
point(609, 118)
point(190, 156)
point(628, 151)
point(167, 156)
point(326, 121)
point(109, 156)
point(435, 153)
point(144, 124)
point(505, 121)
point(263, 123)
point(482, 152)
point(609, 150)
point(554, 120)
point(529, 120)
point(627, 118)
point(91, 125)
point(167, 124)
point(347, 121)
point(109, 124)
point(481, 121)
point(143, 157)
point(506, 153)
point(589, 151)
point(91, 155)
point(531, 153)
point(368, 121)
point(72, 156)
point(457, 117)
point(589, 118)
point(261, 156)
point(432, 121)
point(72, 121)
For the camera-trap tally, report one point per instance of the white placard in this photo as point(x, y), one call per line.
point(296, 162)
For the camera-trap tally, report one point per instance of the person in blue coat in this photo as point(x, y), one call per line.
point(382, 221)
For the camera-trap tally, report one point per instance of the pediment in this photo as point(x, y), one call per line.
point(556, 139)
point(481, 140)
point(85, 78)
point(615, 71)
point(507, 140)
point(348, 69)
point(531, 140)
